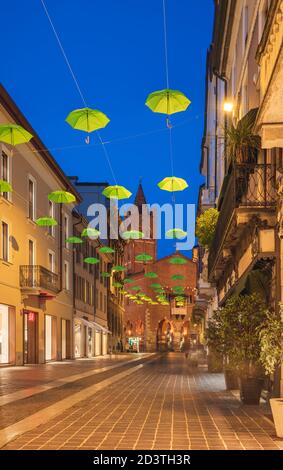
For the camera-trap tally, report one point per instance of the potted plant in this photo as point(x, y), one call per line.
point(271, 357)
point(242, 143)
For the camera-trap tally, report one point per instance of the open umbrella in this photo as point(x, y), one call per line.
point(151, 275)
point(116, 192)
point(46, 222)
point(74, 240)
point(143, 257)
point(87, 119)
point(91, 260)
point(177, 260)
point(117, 284)
point(5, 187)
point(14, 134)
point(177, 277)
point(128, 281)
point(105, 274)
point(61, 197)
point(106, 249)
point(132, 235)
point(167, 101)
point(173, 184)
point(90, 232)
point(136, 288)
point(118, 268)
point(155, 285)
point(176, 233)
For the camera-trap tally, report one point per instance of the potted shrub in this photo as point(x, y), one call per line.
point(271, 356)
point(206, 226)
point(242, 143)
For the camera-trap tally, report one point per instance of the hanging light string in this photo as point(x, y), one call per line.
point(77, 85)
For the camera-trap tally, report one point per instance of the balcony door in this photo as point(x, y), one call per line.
point(30, 337)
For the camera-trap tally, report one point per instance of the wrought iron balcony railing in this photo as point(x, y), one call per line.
point(38, 277)
point(250, 186)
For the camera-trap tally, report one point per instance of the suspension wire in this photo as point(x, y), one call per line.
point(77, 84)
point(165, 43)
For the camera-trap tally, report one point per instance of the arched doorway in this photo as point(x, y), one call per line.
point(185, 336)
point(165, 336)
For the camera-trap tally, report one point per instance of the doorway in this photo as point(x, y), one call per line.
point(50, 338)
point(30, 337)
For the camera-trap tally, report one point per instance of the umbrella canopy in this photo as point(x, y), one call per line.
point(74, 240)
point(117, 284)
point(13, 134)
point(173, 184)
point(46, 222)
point(116, 192)
point(61, 197)
point(177, 277)
point(143, 257)
point(176, 233)
point(87, 119)
point(136, 288)
point(105, 274)
point(151, 275)
point(91, 260)
point(106, 249)
point(177, 260)
point(132, 235)
point(128, 281)
point(5, 187)
point(155, 285)
point(118, 268)
point(167, 101)
point(178, 288)
point(90, 232)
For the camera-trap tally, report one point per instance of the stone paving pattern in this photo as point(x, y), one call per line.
point(164, 406)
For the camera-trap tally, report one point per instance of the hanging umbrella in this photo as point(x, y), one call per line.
point(128, 281)
point(106, 249)
point(46, 222)
point(151, 275)
point(178, 277)
point(5, 187)
point(136, 288)
point(74, 240)
point(132, 235)
point(173, 184)
point(13, 134)
point(118, 268)
point(177, 260)
point(139, 302)
point(178, 289)
point(61, 197)
point(133, 297)
point(116, 192)
point(87, 119)
point(117, 284)
point(155, 286)
point(90, 232)
point(167, 101)
point(176, 233)
point(91, 260)
point(105, 274)
point(143, 257)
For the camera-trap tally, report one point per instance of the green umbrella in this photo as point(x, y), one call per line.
point(5, 187)
point(116, 192)
point(118, 268)
point(177, 260)
point(61, 197)
point(167, 101)
point(136, 288)
point(90, 232)
point(87, 119)
point(128, 281)
point(179, 298)
point(132, 235)
point(91, 260)
point(143, 257)
point(151, 275)
point(177, 277)
point(46, 222)
point(176, 233)
point(117, 284)
point(74, 240)
point(13, 134)
point(178, 288)
point(106, 249)
point(173, 184)
point(155, 285)
point(105, 274)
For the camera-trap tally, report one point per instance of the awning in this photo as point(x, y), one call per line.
point(93, 324)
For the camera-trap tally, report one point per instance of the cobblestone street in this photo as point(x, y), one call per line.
point(134, 402)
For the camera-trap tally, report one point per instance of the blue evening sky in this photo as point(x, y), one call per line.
point(116, 49)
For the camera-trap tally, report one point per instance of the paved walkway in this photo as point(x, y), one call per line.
point(160, 404)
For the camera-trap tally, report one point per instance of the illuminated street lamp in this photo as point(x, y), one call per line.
point(228, 106)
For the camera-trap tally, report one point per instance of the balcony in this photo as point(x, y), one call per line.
point(37, 279)
point(249, 190)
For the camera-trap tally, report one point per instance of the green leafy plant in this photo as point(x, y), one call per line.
point(205, 227)
point(271, 342)
point(242, 144)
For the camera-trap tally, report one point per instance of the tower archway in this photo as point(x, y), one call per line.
point(165, 336)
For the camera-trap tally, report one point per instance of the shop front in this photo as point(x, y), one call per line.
point(7, 334)
point(84, 338)
point(66, 339)
point(50, 338)
point(31, 340)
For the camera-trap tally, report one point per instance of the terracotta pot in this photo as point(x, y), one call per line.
point(277, 413)
point(231, 379)
point(250, 390)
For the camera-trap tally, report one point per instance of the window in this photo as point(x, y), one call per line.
point(66, 229)
point(51, 211)
point(31, 253)
point(66, 276)
point(5, 241)
point(51, 261)
point(105, 303)
point(245, 26)
point(5, 171)
point(100, 301)
point(31, 199)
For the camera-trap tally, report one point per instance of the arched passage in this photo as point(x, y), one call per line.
point(165, 336)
